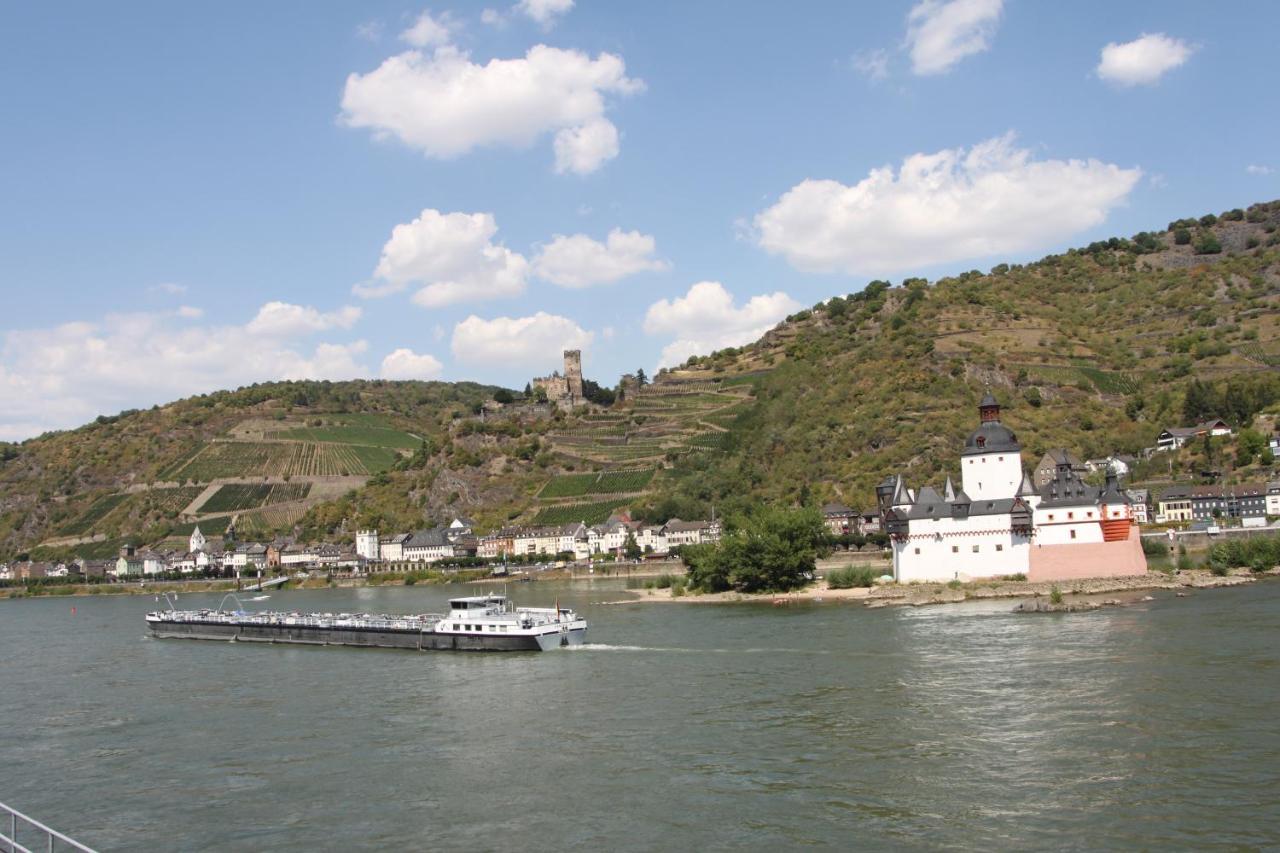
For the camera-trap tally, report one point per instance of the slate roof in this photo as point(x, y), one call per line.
point(991, 437)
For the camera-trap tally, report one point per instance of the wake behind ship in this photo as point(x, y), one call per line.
point(477, 623)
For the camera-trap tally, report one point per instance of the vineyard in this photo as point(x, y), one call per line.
point(283, 459)
point(606, 483)
point(587, 513)
point(367, 436)
point(238, 496)
point(97, 511)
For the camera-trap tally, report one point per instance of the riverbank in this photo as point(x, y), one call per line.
point(223, 585)
point(918, 595)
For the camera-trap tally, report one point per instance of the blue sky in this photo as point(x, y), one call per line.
point(202, 196)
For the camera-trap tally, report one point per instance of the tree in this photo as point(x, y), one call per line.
point(641, 379)
point(1182, 236)
point(503, 396)
point(769, 550)
point(631, 548)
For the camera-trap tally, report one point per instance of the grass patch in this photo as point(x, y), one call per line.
point(852, 576)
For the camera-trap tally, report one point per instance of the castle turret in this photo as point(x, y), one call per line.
point(573, 373)
point(991, 462)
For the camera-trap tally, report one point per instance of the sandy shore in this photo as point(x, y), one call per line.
point(916, 595)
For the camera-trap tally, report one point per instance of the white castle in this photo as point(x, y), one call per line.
point(999, 524)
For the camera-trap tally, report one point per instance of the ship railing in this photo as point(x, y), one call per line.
point(15, 822)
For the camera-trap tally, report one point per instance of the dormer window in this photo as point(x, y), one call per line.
point(981, 441)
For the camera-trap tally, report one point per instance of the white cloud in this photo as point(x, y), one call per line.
point(284, 319)
point(578, 261)
point(582, 150)
point(404, 363)
point(705, 320)
point(452, 256)
point(369, 31)
point(1255, 169)
point(956, 204)
point(169, 287)
point(492, 17)
point(544, 12)
point(941, 34)
point(872, 64)
point(445, 105)
point(1142, 61)
point(428, 31)
point(190, 312)
point(527, 342)
point(61, 377)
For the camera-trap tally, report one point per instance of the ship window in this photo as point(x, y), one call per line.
point(999, 547)
point(955, 549)
point(975, 549)
point(917, 550)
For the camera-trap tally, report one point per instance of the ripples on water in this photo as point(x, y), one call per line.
point(683, 726)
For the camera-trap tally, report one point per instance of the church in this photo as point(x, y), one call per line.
point(999, 524)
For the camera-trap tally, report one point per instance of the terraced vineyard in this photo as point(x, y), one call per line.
point(367, 436)
point(97, 511)
point(587, 513)
point(283, 459)
point(239, 496)
point(606, 483)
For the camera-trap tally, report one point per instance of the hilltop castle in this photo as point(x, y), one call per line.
point(564, 391)
point(999, 524)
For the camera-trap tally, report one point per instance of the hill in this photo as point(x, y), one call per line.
point(1095, 350)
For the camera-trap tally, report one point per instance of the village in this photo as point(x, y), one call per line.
point(884, 527)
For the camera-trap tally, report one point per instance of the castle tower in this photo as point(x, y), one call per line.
point(991, 462)
point(197, 541)
point(573, 373)
point(367, 544)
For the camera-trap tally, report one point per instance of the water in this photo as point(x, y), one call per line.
point(679, 727)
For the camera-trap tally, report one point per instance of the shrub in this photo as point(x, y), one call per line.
point(1208, 244)
point(1182, 236)
point(1154, 547)
point(1184, 563)
point(851, 576)
point(1018, 576)
point(1055, 596)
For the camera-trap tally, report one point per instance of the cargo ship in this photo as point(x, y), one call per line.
point(487, 623)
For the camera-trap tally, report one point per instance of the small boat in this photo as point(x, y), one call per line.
point(473, 623)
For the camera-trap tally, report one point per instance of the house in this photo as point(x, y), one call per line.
point(249, 555)
point(94, 568)
point(1047, 469)
point(871, 522)
point(296, 556)
point(33, 570)
point(997, 523)
point(680, 533)
point(1210, 503)
point(500, 543)
point(1174, 506)
point(129, 564)
point(538, 540)
point(368, 544)
point(1139, 499)
point(652, 539)
point(1173, 438)
point(1273, 498)
point(391, 548)
point(841, 520)
point(428, 546)
point(1115, 464)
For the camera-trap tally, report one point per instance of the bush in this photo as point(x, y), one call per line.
point(851, 576)
point(1184, 563)
point(767, 550)
point(1208, 244)
point(1182, 236)
point(1055, 596)
point(1154, 547)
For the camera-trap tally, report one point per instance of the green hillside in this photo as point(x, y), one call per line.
point(1094, 350)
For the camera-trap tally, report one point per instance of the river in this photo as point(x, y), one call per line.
point(676, 727)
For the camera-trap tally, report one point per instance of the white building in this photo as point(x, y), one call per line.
point(997, 524)
point(197, 542)
point(367, 544)
point(428, 546)
point(391, 548)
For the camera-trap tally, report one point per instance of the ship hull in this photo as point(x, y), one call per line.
point(381, 639)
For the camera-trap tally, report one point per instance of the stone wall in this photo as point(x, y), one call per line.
point(1088, 560)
